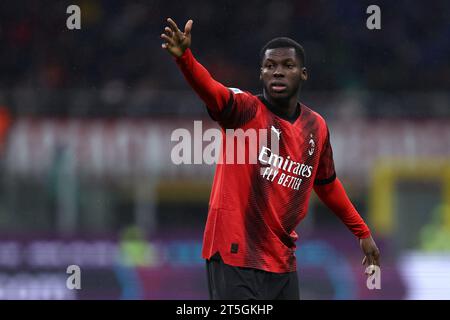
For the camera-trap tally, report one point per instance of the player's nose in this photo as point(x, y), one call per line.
point(278, 73)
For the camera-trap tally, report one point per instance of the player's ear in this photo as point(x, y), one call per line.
point(304, 74)
point(260, 73)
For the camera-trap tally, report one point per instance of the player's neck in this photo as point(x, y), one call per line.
point(286, 107)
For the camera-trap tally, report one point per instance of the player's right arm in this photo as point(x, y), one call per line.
point(215, 95)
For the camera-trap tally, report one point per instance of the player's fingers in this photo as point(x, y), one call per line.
point(176, 35)
point(173, 25)
point(168, 31)
point(168, 39)
point(188, 27)
point(370, 259)
point(370, 270)
point(376, 258)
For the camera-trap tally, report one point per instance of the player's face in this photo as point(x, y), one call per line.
point(282, 73)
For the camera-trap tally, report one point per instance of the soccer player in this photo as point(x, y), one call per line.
point(249, 239)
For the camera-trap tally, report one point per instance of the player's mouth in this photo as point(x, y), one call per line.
point(278, 86)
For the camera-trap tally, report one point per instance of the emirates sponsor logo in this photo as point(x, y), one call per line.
point(283, 170)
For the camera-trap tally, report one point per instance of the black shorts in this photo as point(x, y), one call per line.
point(226, 282)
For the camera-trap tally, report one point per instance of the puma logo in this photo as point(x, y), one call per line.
point(277, 131)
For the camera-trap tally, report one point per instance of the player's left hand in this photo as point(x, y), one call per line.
point(371, 252)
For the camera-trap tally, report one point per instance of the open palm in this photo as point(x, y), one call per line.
point(176, 41)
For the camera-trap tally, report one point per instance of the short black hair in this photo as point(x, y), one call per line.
point(284, 42)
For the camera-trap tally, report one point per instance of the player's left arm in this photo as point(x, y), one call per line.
point(334, 196)
point(331, 191)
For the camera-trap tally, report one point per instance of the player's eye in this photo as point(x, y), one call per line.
point(290, 66)
point(269, 66)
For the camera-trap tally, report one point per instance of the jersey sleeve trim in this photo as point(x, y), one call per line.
point(225, 112)
point(320, 182)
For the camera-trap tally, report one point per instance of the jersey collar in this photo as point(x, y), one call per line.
point(275, 111)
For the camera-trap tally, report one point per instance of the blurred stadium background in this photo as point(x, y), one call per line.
point(86, 118)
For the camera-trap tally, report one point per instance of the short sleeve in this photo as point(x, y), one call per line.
point(326, 172)
point(239, 110)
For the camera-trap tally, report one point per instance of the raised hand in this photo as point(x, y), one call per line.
point(176, 41)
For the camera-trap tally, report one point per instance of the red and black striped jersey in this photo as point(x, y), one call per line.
point(255, 207)
point(258, 199)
